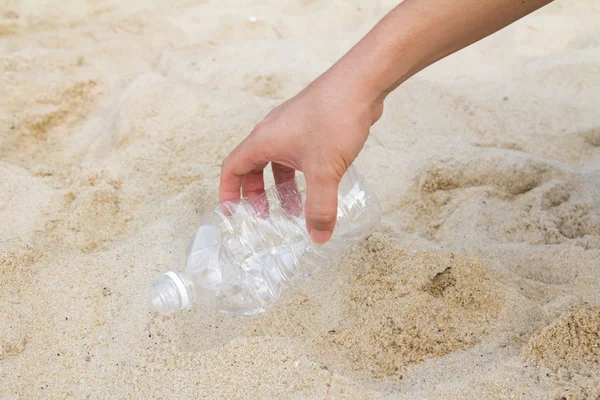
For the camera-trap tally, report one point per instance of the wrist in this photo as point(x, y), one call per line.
point(373, 71)
point(388, 55)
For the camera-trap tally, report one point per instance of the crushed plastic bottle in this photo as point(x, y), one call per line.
point(245, 255)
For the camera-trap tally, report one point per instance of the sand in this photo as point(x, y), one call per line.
point(483, 281)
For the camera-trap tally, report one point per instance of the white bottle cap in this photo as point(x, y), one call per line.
point(181, 289)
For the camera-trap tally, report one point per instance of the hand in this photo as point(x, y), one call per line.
point(320, 132)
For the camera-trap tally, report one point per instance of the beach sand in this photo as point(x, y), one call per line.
point(483, 281)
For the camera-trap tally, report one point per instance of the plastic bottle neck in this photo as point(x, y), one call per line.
point(170, 293)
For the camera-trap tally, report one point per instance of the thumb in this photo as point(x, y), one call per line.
point(321, 206)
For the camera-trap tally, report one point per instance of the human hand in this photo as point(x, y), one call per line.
point(320, 132)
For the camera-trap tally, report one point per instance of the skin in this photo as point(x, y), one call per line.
point(322, 129)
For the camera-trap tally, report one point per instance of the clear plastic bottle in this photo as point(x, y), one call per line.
point(245, 255)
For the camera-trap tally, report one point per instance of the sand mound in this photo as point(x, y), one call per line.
point(405, 307)
point(540, 203)
point(569, 348)
point(571, 342)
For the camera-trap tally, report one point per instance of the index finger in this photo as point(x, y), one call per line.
point(235, 167)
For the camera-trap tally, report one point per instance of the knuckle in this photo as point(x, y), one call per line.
point(330, 170)
point(260, 126)
point(322, 215)
point(326, 176)
point(338, 167)
point(226, 165)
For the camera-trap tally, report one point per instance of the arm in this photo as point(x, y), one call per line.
point(321, 130)
point(418, 33)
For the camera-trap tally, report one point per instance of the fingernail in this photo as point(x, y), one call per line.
point(319, 237)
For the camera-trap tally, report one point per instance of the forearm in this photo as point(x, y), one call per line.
point(418, 33)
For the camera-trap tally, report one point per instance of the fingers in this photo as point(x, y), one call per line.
point(290, 198)
point(235, 167)
point(282, 173)
point(253, 184)
point(231, 183)
point(253, 189)
point(321, 206)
